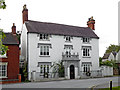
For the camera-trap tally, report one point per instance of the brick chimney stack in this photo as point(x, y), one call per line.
point(25, 13)
point(91, 23)
point(14, 29)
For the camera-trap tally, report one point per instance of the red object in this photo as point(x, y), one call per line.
point(25, 14)
point(12, 58)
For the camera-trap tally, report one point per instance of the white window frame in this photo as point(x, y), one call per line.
point(86, 51)
point(6, 64)
point(87, 67)
point(44, 66)
point(86, 40)
point(44, 50)
point(68, 38)
point(68, 50)
point(44, 37)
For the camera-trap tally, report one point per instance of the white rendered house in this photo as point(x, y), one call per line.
point(44, 43)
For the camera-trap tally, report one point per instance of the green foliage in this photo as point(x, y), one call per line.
point(25, 72)
point(111, 63)
point(2, 4)
point(3, 48)
point(100, 61)
point(112, 48)
point(58, 68)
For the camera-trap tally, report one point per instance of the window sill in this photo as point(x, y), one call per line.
point(44, 56)
point(4, 77)
point(86, 42)
point(44, 40)
point(86, 57)
point(4, 57)
point(68, 41)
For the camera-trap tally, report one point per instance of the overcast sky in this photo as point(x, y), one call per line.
point(70, 12)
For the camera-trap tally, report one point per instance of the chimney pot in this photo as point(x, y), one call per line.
point(91, 23)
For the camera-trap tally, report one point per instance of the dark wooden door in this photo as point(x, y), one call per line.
point(72, 72)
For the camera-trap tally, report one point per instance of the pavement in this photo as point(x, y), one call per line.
point(61, 83)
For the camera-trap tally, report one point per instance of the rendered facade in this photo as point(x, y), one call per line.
point(44, 43)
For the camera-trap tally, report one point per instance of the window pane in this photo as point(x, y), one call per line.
point(44, 68)
point(3, 67)
point(41, 67)
point(41, 36)
point(44, 50)
point(0, 73)
point(84, 52)
point(47, 68)
point(44, 36)
point(88, 53)
point(3, 73)
point(0, 67)
point(41, 50)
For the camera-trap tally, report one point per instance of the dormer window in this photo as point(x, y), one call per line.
point(68, 38)
point(44, 37)
point(86, 40)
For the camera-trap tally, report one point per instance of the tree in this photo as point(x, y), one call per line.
point(112, 48)
point(58, 68)
point(2, 4)
point(100, 61)
point(111, 63)
point(3, 48)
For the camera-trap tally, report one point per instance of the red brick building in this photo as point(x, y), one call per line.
point(9, 62)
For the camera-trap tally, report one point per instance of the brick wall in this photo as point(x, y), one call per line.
point(13, 62)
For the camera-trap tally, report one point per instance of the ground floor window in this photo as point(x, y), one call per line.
point(86, 66)
point(44, 68)
point(3, 70)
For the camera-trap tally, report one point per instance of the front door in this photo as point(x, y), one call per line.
point(72, 72)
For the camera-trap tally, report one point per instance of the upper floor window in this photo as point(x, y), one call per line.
point(86, 51)
point(44, 36)
point(3, 70)
point(44, 50)
point(68, 38)
point(68, 49)
point(86, 40)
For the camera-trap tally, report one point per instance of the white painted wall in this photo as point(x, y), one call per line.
point(57, 43)
point(118, 56)
point(24, 42)
point(107, 71)
point(111, 57)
